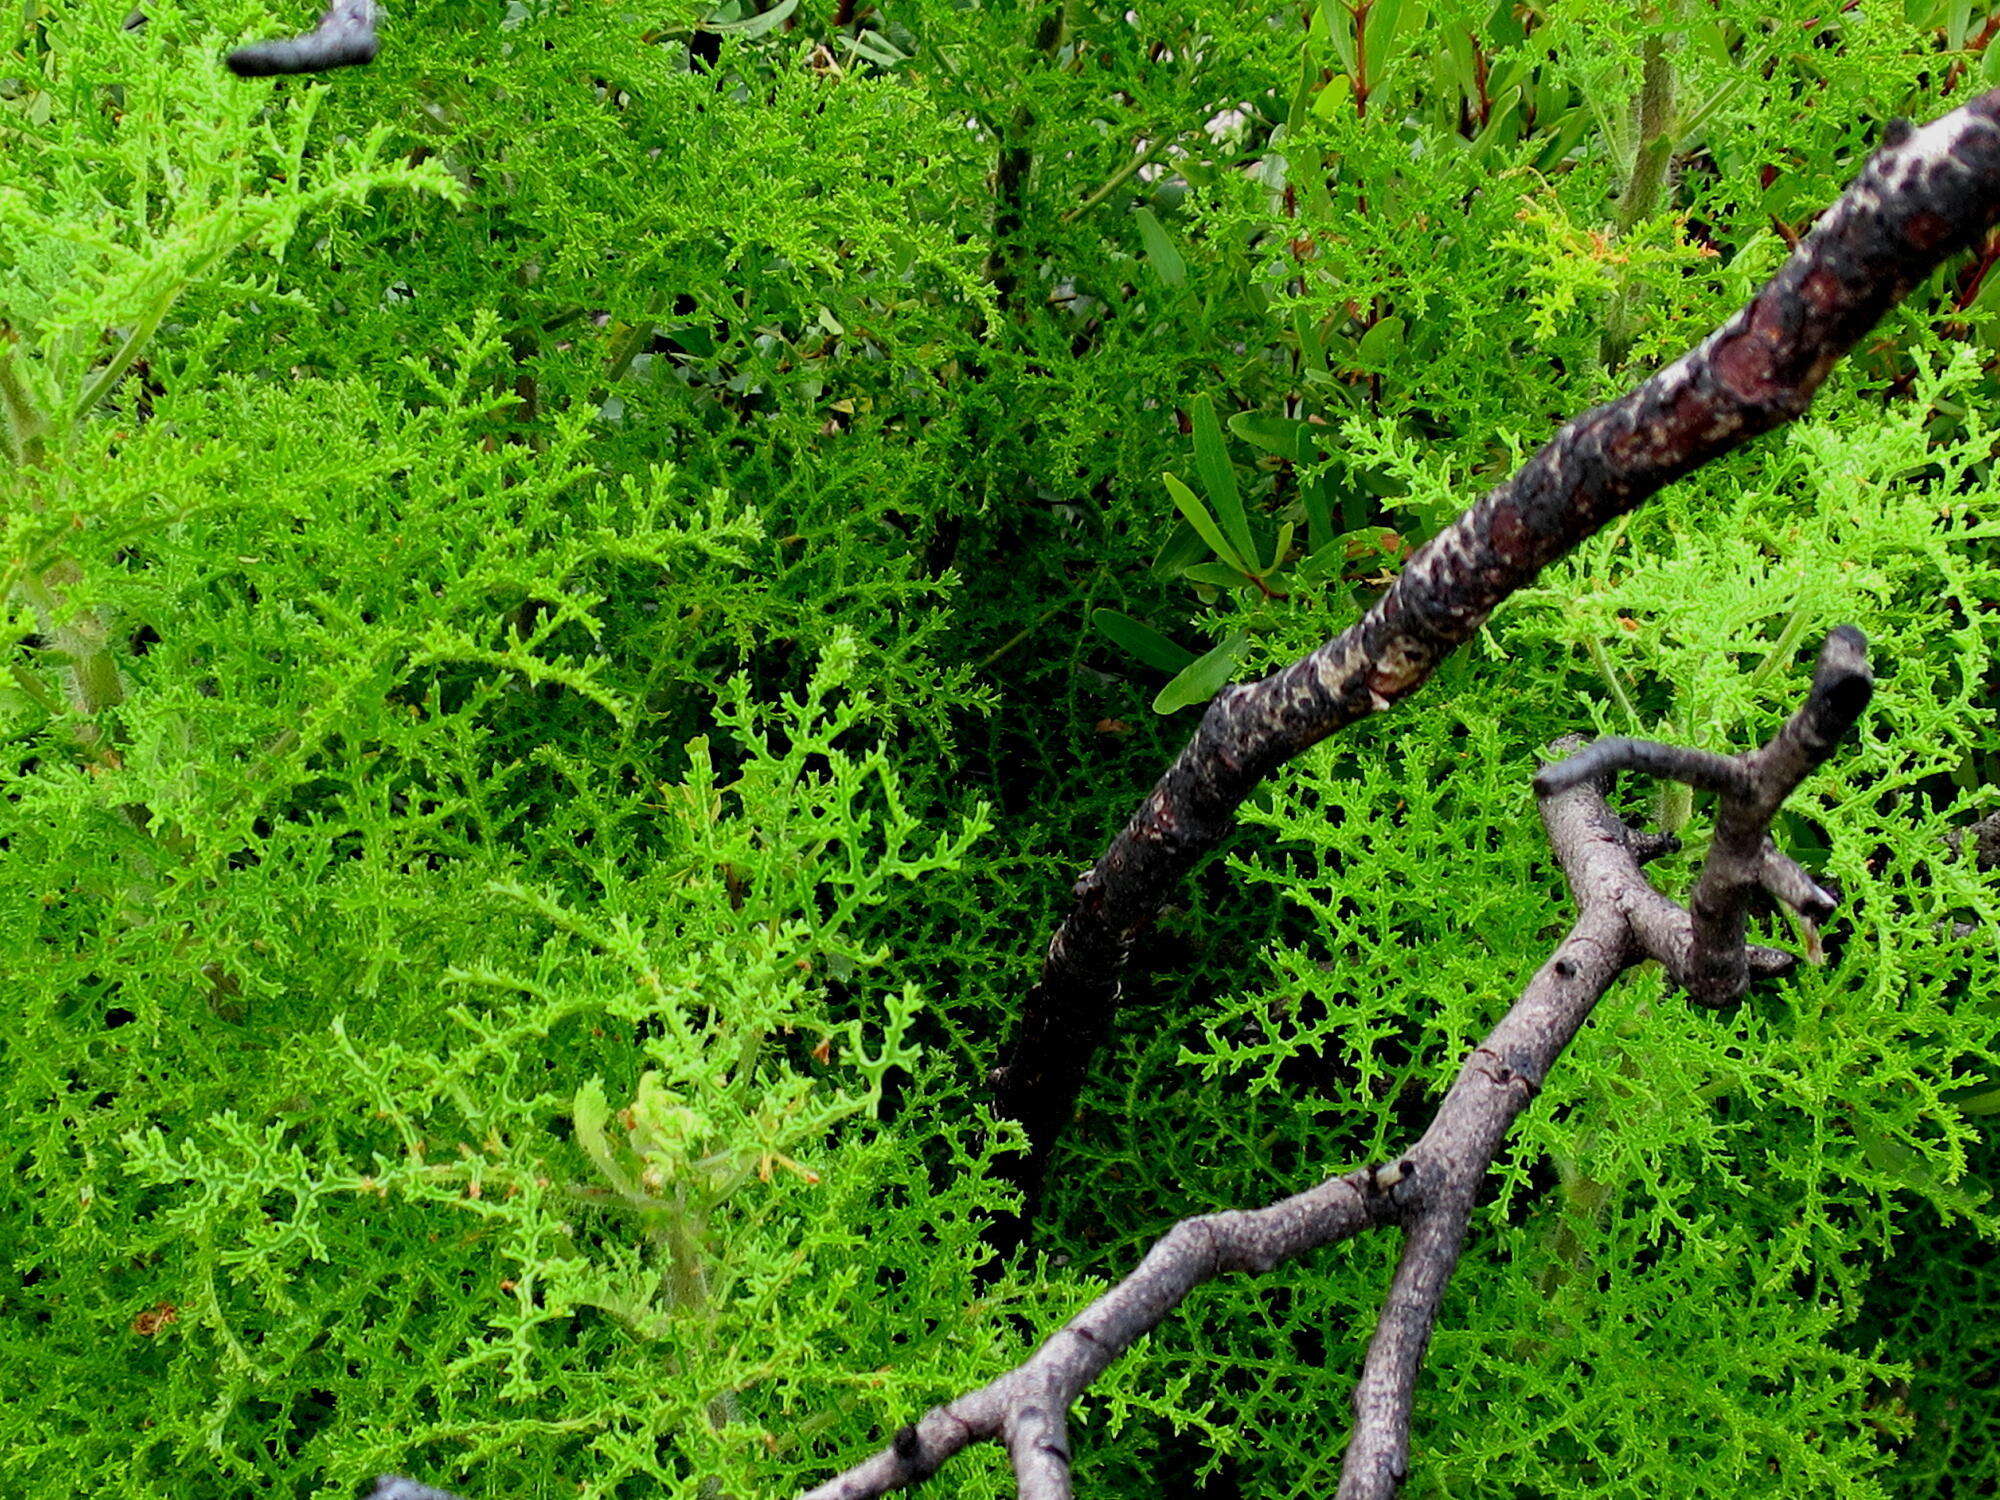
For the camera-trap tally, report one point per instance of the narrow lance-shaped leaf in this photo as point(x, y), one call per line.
point(757, 25)
point(1183, 546)
point(1218, 477)
point(1203, 678)
point(1141, 640)
point(1167, 261)
point(1217, 575)
point(1198, 517)
point(1287, 437)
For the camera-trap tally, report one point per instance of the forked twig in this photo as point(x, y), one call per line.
point(1713, 965)
point(344, 38)
point(1430, 1190)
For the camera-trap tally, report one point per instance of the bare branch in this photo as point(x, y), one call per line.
point(344, 38)
point(1193, 1251)
point(390, 1487)
point(1378, 1456)
point(1781, 876)
point(1647, 846)
point(1985, 841)
point(1698, 768)
point(1431, 1190)
point(1703, 948)
point(1925, 195)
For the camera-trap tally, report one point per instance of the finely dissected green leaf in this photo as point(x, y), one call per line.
point(591, 1117)
point(1218, 478)
point(555, 692)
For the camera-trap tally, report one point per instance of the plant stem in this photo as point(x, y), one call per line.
point(1010, 179)
point(1602, 660)
point(25, 425)
point(1656, 136)
point(82, 642)
point(1119, 178)
point(1788, 640)
point(128, 351)
point(1643, 191)
point(1673, 802)
point(1022, 634)
point(627, 347)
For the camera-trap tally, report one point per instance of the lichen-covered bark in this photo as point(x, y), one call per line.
point(1923, 196)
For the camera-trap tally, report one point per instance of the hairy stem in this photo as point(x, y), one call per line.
point(81, 641)
point(25, 424)
point(1641, 198)
point(1645, 187)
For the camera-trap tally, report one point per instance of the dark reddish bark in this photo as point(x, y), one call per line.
point(1923, 196)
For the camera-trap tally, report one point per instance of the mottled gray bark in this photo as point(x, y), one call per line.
point(390, 1487)
point(344, 38)
point(1431, 1189)
point(1923, 196)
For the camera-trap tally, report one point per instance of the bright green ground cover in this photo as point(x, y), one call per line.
point(584, 692)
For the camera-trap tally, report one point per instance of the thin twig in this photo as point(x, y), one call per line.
point(1118, 178)
point(1016, 163)
point(390, 1487)
point(1741, 857)
point(1698, 768)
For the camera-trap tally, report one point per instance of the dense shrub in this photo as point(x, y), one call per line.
point(577, 597)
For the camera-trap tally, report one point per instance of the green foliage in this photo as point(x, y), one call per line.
point(551, 702)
